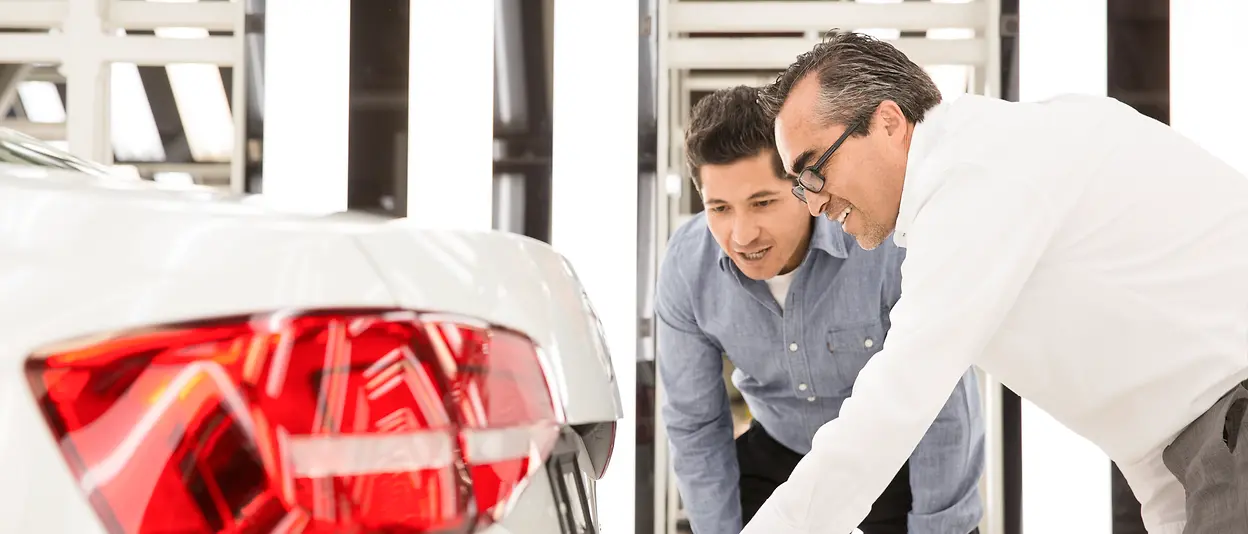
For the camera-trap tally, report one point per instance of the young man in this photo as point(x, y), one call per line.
point(798, 310)
point(1089, 257)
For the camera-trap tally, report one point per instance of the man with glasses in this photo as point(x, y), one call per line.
point(1089, 257)
point(798, 310)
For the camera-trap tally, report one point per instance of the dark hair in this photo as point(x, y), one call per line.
point(856, 73)
point(727, 126)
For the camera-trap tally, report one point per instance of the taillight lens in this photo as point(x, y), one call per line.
point(310, 423)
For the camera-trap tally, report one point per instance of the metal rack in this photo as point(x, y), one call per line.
point(705, 45)
point(82, 38)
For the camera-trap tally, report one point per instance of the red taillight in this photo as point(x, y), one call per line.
point(316, 423)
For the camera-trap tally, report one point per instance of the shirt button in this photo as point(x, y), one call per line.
point(868, 343)
point(802, 387)
point(792, 347)
point(811, 399)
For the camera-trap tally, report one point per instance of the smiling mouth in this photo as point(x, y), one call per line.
point(840, 218)
point(754, 256)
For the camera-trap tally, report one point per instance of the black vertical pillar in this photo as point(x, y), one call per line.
point(1138, 73)
point(647, 264)
point(378, 121)
point(1011, 404)
point(532, 144)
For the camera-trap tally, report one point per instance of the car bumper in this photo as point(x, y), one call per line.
point(558, 499)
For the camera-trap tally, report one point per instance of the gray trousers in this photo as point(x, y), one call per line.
point(1210, 459)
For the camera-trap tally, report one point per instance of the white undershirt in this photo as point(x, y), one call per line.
point(779, 286)
point(1088, 257)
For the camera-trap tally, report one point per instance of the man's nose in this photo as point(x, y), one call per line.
point(744, 231)
point(817, 202)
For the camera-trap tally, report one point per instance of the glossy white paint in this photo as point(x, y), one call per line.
point(535, 511)
point(512, 281)
point(38, 493)
point(83, 255)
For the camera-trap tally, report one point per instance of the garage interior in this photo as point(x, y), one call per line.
point(381, 106)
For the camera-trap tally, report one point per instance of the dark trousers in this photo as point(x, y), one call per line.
point(1127, 518)
point(1210, 459)
point(765, 464)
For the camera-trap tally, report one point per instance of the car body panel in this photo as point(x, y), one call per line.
point(86, 255)
point(39, 493)
point(77, 261)
point(515, 282)
point(83, 261)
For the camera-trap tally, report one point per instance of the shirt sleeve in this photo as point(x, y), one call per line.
point(946, 466)
point(972, 247)
point(695, 409)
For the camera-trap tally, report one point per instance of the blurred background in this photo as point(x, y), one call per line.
point(561, 120)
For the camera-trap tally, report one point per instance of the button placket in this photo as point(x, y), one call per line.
point(799, 367)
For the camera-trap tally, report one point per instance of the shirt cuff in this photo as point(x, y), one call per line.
point(768, 521)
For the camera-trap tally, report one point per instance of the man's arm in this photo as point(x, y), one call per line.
point(972, 248)
point(695, 410)
point(946, 466)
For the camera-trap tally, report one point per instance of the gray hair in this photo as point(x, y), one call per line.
point(856, 73)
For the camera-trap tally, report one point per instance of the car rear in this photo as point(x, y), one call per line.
point(179, 366)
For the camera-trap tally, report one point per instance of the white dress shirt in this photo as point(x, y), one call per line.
point(1088, 257)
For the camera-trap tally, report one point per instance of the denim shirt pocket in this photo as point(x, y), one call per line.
point(848, 349)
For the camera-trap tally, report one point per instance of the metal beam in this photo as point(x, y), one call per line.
point(88, 99)
point(151, 50)
point(28, 14)
point(204, 173)
point(535, 31)
point(714, 82)
point(45, 131)
point(123, 14)
point(45, 73)
point(132, 15)
point(87, 44)
point(802, 16)
point(776, 53)
point(141, 50)
point(11, 75)
point(238, 97)
point(165, 114)
point(511, 112)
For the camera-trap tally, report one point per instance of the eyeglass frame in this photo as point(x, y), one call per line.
point(799, 190)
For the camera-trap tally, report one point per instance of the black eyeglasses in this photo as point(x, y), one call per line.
point(810, 179)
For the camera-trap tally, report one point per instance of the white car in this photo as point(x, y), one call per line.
point(177, 361)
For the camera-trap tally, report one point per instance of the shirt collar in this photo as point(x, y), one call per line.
point(925, 135)
point(826, 235)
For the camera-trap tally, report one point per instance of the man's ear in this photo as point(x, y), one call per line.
point(889, 116)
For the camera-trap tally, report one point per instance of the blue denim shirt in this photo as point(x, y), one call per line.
point(794, 369)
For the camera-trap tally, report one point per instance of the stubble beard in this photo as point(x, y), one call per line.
point(873, 237)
